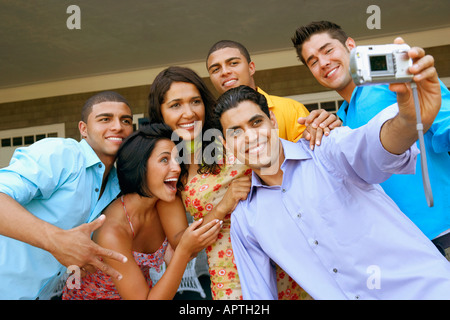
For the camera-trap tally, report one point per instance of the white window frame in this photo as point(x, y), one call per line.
point(53, 130)
point(329, 96)
point(319, 98)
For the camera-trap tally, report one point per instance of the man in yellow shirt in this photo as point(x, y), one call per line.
point(286, 111)
point(229, 65)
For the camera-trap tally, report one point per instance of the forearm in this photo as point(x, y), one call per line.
point(167, 286)
point(173, 219)
point(217, 213)
point(194, 237)
point(420, 98)
point(237, 191)
point(32, 230)
point(397, 135)
point(360, 153)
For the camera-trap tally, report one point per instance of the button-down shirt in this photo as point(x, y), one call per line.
point(407, 190)
point(58, 181)
point(333, 229)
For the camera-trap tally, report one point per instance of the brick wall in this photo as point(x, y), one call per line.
point(66, 109)
point(283, 82)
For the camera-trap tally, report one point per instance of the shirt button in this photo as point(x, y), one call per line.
point(316, 242)
point(357, 297)
point(299, 215)
point(100, 165)
point(335, 270)
point(283, 190)
point(96, 189)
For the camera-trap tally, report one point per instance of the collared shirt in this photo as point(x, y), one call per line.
point(58, 181)
point(286, 111)
point(407, 190)
point(333, 229)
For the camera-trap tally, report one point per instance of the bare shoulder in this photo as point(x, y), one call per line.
point(115, 231)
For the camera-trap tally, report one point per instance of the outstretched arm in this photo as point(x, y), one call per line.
point(399, 133)
point(134, 286)
point(69, 247)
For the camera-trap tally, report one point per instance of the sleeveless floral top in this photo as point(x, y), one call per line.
point(99, 286)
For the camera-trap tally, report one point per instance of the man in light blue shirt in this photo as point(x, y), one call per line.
point(325, 49)
point(320, 215)
point(51, 192)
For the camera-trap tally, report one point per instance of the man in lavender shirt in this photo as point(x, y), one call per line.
point(321, 215)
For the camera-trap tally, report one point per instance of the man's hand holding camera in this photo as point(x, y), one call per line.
point(426, 78)
point(400, 133)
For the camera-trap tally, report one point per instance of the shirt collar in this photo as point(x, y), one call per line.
point(343, 109)
point(295, 150)
point(292, 151)
point(91, 156)
point(270, 103)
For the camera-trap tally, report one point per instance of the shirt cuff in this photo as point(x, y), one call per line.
point(404, 163)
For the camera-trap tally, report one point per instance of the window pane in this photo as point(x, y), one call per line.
point(52, 134)
point(312, 106)
point(6, 142)
point(143, 122)
point(17, 141)
point(329, 106)
point(29, 140)
point(40, 137)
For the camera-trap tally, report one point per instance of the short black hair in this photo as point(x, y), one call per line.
point(304, 33)
point(133, 155)
point(231, 98)
point(104, 96)
point(222, 44)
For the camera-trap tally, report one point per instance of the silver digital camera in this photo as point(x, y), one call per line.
point(377, 64)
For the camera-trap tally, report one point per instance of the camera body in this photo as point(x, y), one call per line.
point(377, 64)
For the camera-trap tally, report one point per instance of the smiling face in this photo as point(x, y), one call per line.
point(163, 171)
point(108, 124)
point(251, 135)
point(228, 68)
point(328, 60)
point(183, 110)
